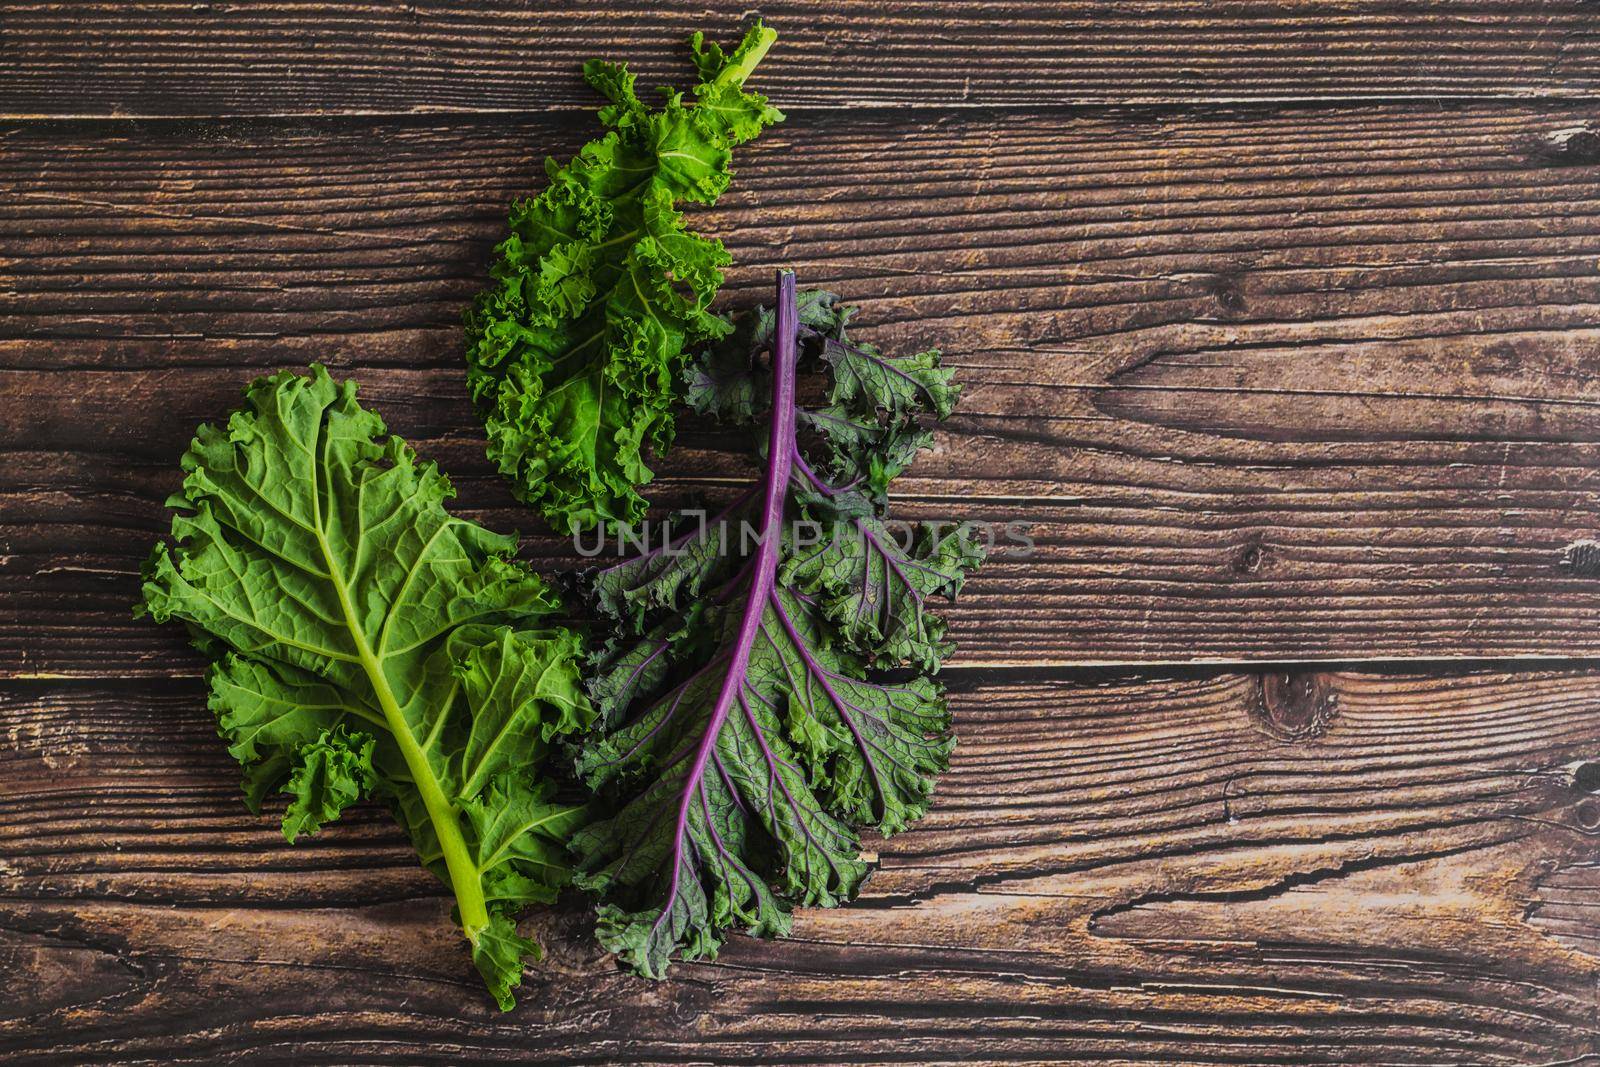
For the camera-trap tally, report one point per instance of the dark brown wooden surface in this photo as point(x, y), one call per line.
point(1118, 870)
point(93, 58)
point(1277, 326)
point(1305, 386)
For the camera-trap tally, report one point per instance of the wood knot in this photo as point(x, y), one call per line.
point(1570, 146)
point(1294, 705)
point(1587, 815)
point(1248, 560)
point(1228, 291)
point(1586, 777)
point(1582, 558)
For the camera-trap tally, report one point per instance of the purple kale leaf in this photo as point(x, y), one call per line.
point(773, 690)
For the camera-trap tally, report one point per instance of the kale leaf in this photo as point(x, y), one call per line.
point(366, 642)
point(750, 724)
point(575, 350)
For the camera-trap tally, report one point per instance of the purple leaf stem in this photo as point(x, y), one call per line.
point(780, 454)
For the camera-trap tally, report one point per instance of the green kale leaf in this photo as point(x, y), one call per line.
point(576, 348)
point(368, 643)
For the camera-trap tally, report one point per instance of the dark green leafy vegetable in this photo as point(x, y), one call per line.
point(575, 350)
point(749, 726)
point(366, 642)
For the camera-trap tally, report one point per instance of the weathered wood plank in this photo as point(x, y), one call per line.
point(1115, 871)
point(1317, 386)
point(175, 58)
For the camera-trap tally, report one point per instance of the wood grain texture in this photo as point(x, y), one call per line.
point(1262, 387)
point(1566, 902)
point(178, 58)
point(1264, 384)
point(1116, 870)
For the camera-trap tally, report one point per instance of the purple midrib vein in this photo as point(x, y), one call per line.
point(780, 452)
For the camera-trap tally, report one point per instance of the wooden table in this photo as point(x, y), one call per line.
point(1278, 322)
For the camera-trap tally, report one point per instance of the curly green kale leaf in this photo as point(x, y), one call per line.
point(368, 643)
point(576, 348)
point(750, 726)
